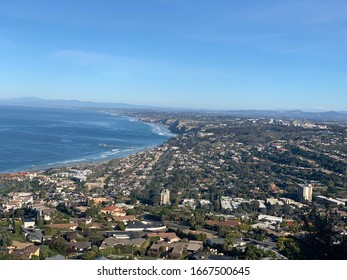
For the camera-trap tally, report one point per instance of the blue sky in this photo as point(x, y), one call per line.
point(220, 54)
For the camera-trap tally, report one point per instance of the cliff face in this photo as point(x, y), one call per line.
point(179, 127)
point(174, 125)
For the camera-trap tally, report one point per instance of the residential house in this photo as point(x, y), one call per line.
point(47, 213)
point(114, 211)
point(97, 226)
point(144, 226)
point(113, 242)
point(34, 235)
point(73, 236)
point(178, 250)
point(121, 234)
point(97, 200)
point(29, 223)
point(80, 209)
point(164, 249)
point(165, 236)
point(124, 218)
point(195, 246)
point(80, 247)
point(270, 219)
point(215, 242)
point(96, 185)
point(26, 253)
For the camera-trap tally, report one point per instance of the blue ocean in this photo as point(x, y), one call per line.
point(38, 138)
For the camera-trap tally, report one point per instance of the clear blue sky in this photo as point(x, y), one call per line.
point(225, 54)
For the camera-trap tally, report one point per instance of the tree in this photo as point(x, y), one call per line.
point(228, 241)
point(60, 245)
point(45, 252)
point(121, 226)
point(5, 239)
point(95, 238)
point(93, 211)
point(322, 242)
point(289, 248)
point(39, 222)
point(42, 194)
point(254, 205)
point(244, 227)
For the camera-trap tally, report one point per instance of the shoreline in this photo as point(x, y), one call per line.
point(88, 163)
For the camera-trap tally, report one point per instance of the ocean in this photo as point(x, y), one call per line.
point(39, 138)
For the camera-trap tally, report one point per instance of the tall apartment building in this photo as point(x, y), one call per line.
point(165, 197)
point(305, 192)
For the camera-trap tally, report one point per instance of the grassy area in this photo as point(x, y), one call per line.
point(18, 237)
point(3, 224)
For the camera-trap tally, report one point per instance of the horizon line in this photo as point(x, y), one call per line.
point(21, 102)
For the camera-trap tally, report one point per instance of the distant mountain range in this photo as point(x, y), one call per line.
point(292, 114)
point(37, 102)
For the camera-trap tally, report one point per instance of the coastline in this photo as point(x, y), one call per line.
point(157, 127)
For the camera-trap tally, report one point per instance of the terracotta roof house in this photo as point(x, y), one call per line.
point(165, 236)
point(114, 211)
point(69, 226)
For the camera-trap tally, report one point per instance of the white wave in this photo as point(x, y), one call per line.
point(160, 130)
point(111, 114)
point(114, 153)
point(95, 123)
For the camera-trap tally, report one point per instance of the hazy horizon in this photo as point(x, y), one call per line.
point(26, 101)
point(222, 55)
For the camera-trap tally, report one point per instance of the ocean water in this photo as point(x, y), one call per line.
point(37, 138)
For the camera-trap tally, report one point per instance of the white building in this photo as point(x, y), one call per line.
point(305, 192)
point(329, 200)
point(271, 219)
point(165, 197)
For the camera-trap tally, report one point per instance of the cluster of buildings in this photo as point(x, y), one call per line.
point(210, 157)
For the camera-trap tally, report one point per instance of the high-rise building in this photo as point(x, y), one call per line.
point(305, 192)
point(165, 197)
